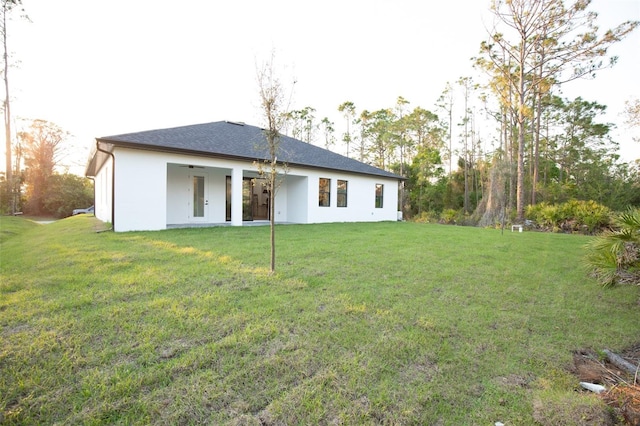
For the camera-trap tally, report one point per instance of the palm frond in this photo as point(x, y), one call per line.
point(630, 221)
point(615, 255)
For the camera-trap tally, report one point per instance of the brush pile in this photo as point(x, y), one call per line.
point(620, 374)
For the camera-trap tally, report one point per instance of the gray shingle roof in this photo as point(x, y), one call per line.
point(242, 141)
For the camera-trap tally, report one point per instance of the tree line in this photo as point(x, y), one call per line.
point(40, 183)
point(34, 181)
point(576, 157)
point(541, 147)
point(517, 142)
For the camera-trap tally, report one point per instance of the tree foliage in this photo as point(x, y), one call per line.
point(576, 159)
point(534, 46)
point(43, 146)
point(632, 116)
point(328, 128)
point(348, 110)
point(303, 123)
point(66, 192)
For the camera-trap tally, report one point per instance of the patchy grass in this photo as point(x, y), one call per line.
point(391, 323)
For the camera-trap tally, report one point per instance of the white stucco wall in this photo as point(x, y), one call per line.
point(176, 196)
point(166, 182)
point(179, 184)
point(360, 198)
point(155, 189)
point(103, 190)
point(140, 190)
point(297, 207)
point(179, 195)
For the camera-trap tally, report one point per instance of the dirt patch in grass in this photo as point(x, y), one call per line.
point(622, 388)
point(572, 411)
point(619, 404)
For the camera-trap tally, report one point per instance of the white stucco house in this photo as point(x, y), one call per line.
point(206, 174)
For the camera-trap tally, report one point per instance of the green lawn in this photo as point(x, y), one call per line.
point(386, 323)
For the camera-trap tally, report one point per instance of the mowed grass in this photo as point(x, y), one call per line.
point(12, 226)
point(385, 323)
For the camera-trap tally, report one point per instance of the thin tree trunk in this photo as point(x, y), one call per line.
point(512, 164)
point(273, 176)
point(450, 140)
point(536, 154)
point(533, 136)
point(466, 150)
point(521, 131)
point(547, 153)
point(7, 110)
point(272, 221)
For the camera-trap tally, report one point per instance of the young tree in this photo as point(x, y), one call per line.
point(274, 113)
point(43, 148)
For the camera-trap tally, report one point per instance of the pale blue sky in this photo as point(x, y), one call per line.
point(98, 67)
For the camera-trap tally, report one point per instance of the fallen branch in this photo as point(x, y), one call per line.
point(622, 363)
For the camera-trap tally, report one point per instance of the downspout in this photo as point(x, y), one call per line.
point(113, 184)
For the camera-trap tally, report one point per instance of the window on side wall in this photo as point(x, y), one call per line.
point(324, 192)
point(342, 193)
point(379, 195)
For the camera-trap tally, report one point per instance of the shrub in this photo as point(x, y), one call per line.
point(544, 215)
point(426, 217)
point(614, 257)
point(573, 216)
point(450, 216)
point(591, 214)
point(66, 192)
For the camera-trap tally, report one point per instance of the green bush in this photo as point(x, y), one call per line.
point(427, 217)
point(67, 192)
point(586, 217)
point(590, 214)
point(451, 216)
point(543, 214)
point(8, 197)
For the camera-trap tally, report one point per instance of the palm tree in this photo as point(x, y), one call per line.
point(614, 257)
